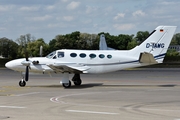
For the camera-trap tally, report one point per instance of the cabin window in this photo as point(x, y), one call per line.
point(109, 56)
point(60, 54)
point(73, 54)
point(101, 56)
point(92, 55)
point(82, 55)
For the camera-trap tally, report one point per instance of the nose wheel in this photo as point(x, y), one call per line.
point(22, 83)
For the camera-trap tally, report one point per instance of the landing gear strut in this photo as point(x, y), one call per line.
point(22, 83)
point(66, 83)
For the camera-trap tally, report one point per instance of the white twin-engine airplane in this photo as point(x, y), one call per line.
point(151, 51)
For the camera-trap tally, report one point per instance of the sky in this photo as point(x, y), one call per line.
point(48, 18)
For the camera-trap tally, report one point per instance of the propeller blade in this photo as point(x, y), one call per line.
point(41, 51)
point(26, 55)
point(27, 74)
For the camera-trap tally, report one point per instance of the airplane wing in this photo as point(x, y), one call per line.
point(69, 67)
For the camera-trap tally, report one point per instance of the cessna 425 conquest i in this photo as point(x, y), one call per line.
point(151, 51)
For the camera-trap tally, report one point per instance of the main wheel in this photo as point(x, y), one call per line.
point(67, 85)
point(22, 83)
point(77, 82)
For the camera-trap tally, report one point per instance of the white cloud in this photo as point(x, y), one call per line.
point(73, 5)
point(124, 27)
point(168, 3)
point(86, 15)
point(68, 18)
point(5, 7)
point(41, 18)
point(138, 13)
point(90, 9)
point(53, 25)
point(2, 29)
point(29, 8)
point(50, 7)
point(119, 15)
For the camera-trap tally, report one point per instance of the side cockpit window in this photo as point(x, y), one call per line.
point(60, 54)
point(54, 57)
point(51, 55)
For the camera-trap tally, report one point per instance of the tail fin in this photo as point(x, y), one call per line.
point(156, 44)
point(102, 43)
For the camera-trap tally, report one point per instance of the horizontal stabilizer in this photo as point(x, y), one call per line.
point(147, 58)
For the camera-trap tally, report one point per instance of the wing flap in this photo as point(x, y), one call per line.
point(71, 68)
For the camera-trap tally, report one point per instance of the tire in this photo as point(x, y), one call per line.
point(22, 83)
point(67, 85)
point(78, 82)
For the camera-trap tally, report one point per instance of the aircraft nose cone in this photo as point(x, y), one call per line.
point(8, 64)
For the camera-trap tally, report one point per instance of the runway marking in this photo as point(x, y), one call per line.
point(26, 94)
point(56, 99)
point(92, 112)
point(150, 109)
point(12, 107)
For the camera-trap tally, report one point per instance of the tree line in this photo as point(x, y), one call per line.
point(16, 49)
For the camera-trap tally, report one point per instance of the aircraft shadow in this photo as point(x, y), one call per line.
point(90, 85)
point(168, 85)
point(83, 86)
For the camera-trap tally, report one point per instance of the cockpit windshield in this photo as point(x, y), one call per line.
point(51, 55)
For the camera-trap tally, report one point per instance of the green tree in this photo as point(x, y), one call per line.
point(172, 53)
point(23, 40)
point(87, 41)
point(123, 41)
point(176, 39)
point(141, 36)
point(120, 42)
point(132, 44)
point(8, 48)
point(33, 48)
point(52, 45)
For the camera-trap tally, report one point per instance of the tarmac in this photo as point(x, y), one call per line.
point(134, 94)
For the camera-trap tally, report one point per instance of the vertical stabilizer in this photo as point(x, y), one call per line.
point(102, 43)
point(156, 44)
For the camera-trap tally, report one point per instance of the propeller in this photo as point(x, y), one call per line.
point(41, 51)
point(27, 74)
point(27, 63)
point(27, 66)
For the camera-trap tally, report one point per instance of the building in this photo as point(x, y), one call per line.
point(175, 47)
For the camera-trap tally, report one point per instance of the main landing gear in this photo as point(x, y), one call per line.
point(67, 83)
